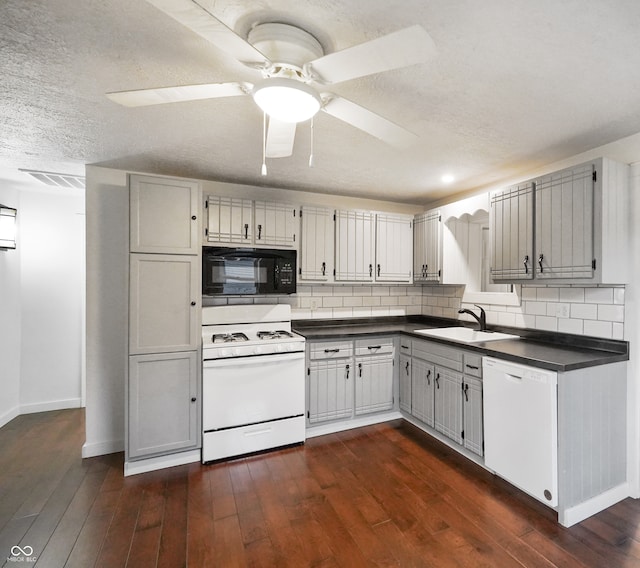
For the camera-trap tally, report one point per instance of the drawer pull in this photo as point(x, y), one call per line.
point(374, 346)
point(347, 370)
point(472, 367)
point(332, 350)
point(404, 346)
point(359, 369)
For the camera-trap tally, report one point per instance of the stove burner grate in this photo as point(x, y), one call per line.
point(228, 337)
point(279, 334)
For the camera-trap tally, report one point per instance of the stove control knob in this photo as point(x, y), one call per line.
point(224, 352)
point(234, 352)
point(258, 350)
point(280, 348)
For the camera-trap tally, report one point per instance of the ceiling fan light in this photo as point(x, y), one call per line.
point(287, 100)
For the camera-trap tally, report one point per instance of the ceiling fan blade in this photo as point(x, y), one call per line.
point(147, 97)
point(196, 18)
point(369, 122)
point(280, 138)
point(398, 49)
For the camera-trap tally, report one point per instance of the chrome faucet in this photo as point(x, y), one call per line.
point(481, 319)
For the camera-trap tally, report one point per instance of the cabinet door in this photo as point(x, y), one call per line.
point(423, 385)
point(164, 303)
point(374, 384)
point(394, 248)
point(427, 247)
point(316, 246)
point(162, 403)
point(163, 215)
point(512, 233)
point(355, 240)
point(330, 390)
point(275, 224)
point(448, 403)
point(230, 220)
point(405, 383)
point(564, 224)
point(472, 411)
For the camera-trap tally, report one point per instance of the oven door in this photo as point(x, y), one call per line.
point(250, 390)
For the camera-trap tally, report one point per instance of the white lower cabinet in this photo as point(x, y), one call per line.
point(349, 378)
point(446, 392)
point(405, 382)
point(162, 403)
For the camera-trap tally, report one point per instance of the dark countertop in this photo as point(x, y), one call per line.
point(545, 350)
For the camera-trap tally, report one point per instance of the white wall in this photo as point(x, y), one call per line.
point(41, 301)
point(10, 319)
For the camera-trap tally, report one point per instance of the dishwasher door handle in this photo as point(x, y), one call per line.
point(513, 378)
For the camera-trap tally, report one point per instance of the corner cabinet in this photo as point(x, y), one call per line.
point(427, 247)
point(164, 318)
point(577, 219)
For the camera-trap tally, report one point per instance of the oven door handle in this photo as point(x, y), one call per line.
point(253, 360)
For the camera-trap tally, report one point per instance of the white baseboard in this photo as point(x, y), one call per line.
point(51, 405)
point(572, 515)
point(313, 431)
point(102, 448)
point(160, 462)
point(9, 416)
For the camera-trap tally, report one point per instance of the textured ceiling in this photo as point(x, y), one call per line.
point(514, 85)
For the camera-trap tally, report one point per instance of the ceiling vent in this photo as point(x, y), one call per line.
point(57, 180)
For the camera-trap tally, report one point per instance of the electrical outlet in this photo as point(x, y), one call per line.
point(314, 304)
point(562, 310)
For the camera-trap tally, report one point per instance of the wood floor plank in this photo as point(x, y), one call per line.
point(384, 495)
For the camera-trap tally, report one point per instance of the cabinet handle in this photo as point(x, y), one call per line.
point(404, 346)
point(525, 261)
point(259, 232)
point(540, 259)
point(425, 270)
point(193, 217)
point(378, 270)
point(472, 367)
point(465, 390)
point(332, 350)
point(246, 230)
point(374, 346)
point(359, 369)
point(347, 369)
point(370, 270)
point(324, 268)
point(193, 399)
point(438, 380)
point(429, 377)
point(407, 367)
point(193, 303)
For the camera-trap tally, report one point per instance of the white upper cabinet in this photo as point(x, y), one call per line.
point(576, 217)
point(163, 215)
point(394, 248)
point(511, 221)
point(355, 243)
point(230, 220)
point(243, 222)
point(316, 244)
point(275, 224)
point(427, 247)
point(164, 303)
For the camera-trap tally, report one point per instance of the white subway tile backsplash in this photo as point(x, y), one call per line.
point(618, 296)
point(598, 295)
point(598, 328)
point(610, 312)
point(572, 295)
point(331, 302)
point(547, 323)
point(575, 326)
point(584, 311)
point(548, 294)
point(535, 308)
point(529, 293)
point(353, 301)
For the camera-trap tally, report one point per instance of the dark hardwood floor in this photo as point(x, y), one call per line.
point(385, 495)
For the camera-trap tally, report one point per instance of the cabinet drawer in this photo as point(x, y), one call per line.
point(374, 346)
point(330, 350)
point(405, 345)
point(472, 365)
point(449, 357)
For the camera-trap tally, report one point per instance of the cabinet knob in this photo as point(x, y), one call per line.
point(193, 303)
point(193, 217)
point(193, 399)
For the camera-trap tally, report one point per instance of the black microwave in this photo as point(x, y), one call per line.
point(247, 271)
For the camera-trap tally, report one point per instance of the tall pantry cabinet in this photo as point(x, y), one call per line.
point(164, 317)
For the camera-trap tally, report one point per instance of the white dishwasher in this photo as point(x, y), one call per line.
point(521, 426)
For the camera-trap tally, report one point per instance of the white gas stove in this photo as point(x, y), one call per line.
point(253, 381)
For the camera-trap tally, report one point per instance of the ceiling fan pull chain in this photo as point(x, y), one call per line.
point(264, 144)
point(311, 146)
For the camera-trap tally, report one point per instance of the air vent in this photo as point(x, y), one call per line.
point(57, 180)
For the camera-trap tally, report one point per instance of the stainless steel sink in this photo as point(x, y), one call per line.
point(465, 334)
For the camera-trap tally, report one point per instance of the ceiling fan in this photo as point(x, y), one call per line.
point(293, 66)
